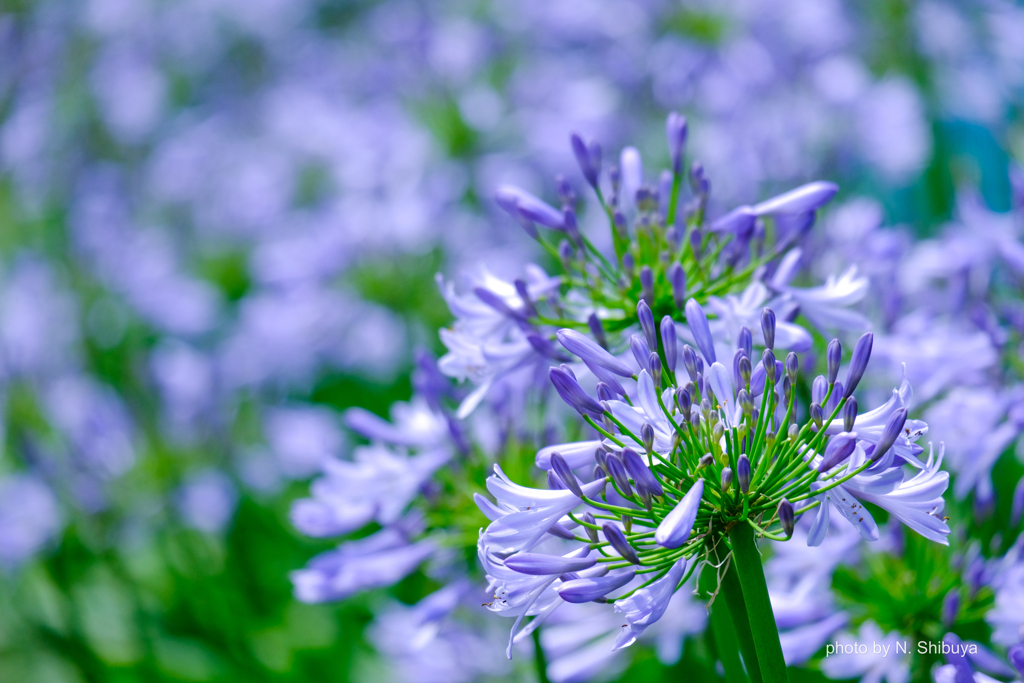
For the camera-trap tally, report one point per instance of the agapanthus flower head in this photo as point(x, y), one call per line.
point(672, 486)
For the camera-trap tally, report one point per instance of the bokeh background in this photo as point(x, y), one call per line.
point(220, 222)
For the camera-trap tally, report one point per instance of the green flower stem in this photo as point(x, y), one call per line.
point(539, 660)
point(722, 630)
point(761, 619)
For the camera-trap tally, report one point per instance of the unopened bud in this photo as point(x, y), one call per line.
point(726, 478)
point(849, 414)
point(786, 517)
point(647, 436)
point(743, 473)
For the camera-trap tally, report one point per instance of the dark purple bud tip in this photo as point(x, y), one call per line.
point(768, 327)
point(669, 341)
point(891, 432)
point(698, 179)
point(591, 533)
point(654, 363)
point(526, 207)
point(677, 278)
point(617, 471)
point(599, 473)
point(706, 460)
point(1016, 656)
point(817, 415)
point(643, 313)
point(675, 128)
point(617, 540)
point(834, 357)
point(849, 414)
point(726, 478)
point(768, 360)
point(539, 564)
point(786, 517)
point(564, 472)
point(572, 393)
point(698, 322)
point(593, 588)
point(641, 474)
point(647, 436)
point(743, 473)
point(950, 607)
point(744, 370)
point(859, 362)
point(745, 342)
point(588, 157)
point(601, 456)
point(839, 448)
point(647, 284)
point(792, 366)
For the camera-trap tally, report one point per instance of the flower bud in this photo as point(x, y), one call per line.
point(743, 473)
point(647, 436)
point(768, 327)
point(647, 284)
point(717, 429)
point(588, 589)
point(601, 455)
point(834, 357)
point(706, 460)
point(617, 540)
point(849, 414)
point(950, 607)
point(642, 475)
point(768, 360)
point(599, 473)
point(726, 478)
point(817, 416)
point(839, 448)
point(565, 473)
point(646, 318)
point(675, 529)
point(787, 389)
point(698, 323)
point(591, 533)
point(677, 278)
point(641, 352)
point(792, 367)
point(669, 342)
point(654, 363)
point(685, 403)
point(555, 482)
point(859, 362)
point(617, 471)
point(745, 402)
point(597, 330)
point(745, 342)
point(565, 191)
point(786, 517)
point(698, 180)
point(572, 393)
point(628, 264)
point(541, 564)
point(891, 431)
point(588, 157)
point(745, 370)
point(675, 129)
point(793, 431)
point(819, 388)
point(690, 362)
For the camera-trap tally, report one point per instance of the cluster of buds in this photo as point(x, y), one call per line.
point(695, 447)
point(663, 246)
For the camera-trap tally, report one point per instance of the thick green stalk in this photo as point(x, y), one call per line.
point(539, 660)
point(733, 595)
point(723, 633)
point(750, 575)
